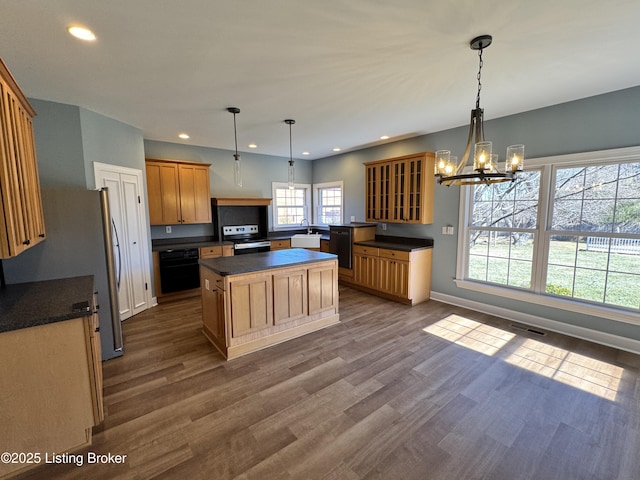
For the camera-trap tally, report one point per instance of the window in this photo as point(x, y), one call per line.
point(568, 229)
point(327, 200)
point(290, 206)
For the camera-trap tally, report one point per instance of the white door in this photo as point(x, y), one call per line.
point(130, 235)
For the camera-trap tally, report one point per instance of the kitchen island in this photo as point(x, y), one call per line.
point(253, 301)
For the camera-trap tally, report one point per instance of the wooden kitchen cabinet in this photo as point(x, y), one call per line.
point(245, 312)
point(178, 192)
point(51, 388)
point(213, 306)
point(280, 244)
point(400, 190)
point(365, 266)
point(396, 274)
point(289, 295)
point(216, 251)
point(252, 297)
point(323, 293)
point(21, 213)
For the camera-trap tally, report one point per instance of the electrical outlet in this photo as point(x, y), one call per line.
point(383, 226)
point(353, 218)
point(167, 229)
point(206, 284)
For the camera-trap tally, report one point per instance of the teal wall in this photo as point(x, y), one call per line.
point(597, 123)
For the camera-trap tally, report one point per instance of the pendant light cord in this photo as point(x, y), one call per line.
point(235, 134)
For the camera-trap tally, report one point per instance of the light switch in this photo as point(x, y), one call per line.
point(206, 284)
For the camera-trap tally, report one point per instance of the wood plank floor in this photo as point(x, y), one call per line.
point(393, 392)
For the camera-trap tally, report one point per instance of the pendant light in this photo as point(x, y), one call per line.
point(485, 163)
point(291, 177)
point(237, 174)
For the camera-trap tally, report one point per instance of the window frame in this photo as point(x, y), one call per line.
point(274, 206)
point(316, 200)
point(537, 294)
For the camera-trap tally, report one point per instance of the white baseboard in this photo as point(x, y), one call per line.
point(582, 333)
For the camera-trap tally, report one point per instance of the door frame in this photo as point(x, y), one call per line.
point(98, 169)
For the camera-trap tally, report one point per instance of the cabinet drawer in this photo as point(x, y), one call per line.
point(362, 250)
point(209, 252)
point(397, 254)
point(280, 244)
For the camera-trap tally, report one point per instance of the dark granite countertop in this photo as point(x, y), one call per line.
point(185, 242)
point(255, 262)
point(24, 305)
point(405, 244)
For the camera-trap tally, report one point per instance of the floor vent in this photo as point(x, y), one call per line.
point(527, 329)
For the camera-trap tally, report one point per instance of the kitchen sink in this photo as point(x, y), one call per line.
point(306, 240)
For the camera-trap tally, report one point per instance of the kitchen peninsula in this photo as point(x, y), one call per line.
point(250, 302)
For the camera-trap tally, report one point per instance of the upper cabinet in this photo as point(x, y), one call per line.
point(400, 189)
point(178, 192)
point(21, 217)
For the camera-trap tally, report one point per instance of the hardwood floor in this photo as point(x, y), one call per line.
point(393, 392)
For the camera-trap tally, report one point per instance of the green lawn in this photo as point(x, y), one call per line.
point(572, 271)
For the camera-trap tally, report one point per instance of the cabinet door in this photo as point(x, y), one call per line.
point(394, 277)
point(213, 312)
point(289, 296)
point(251, 300)
point(413, 189)
point(378, 191)
point(323, 292)
point(365, 270)
point(95, 365)
point(195, 198)
point(21, 212)
point(163, 193)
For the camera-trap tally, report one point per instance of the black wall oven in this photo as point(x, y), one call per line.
point(179, 270)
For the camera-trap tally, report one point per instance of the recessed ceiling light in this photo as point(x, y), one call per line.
point(82, 33)
point(183, 136)
point(336, 149)
point(384, 137)
point(253, 145)
point(306, 153)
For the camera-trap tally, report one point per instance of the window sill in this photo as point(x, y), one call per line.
point(609, 313)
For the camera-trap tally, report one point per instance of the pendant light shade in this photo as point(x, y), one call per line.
point(292, 174)
point(485, 163)
point(237, 173)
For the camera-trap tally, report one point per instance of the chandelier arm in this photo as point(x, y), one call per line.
point(467, 151)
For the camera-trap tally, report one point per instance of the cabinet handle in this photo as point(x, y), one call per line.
point(41, 235)
point(26, 242)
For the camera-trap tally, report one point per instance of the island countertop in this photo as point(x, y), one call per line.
point(256, 262)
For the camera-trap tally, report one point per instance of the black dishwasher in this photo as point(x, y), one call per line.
point(179, 270)
point(340, 244)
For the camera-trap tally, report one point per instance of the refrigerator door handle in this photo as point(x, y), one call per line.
point(115, 230)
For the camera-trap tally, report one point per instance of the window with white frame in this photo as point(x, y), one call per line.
point(328, 203)
point(290, 205)
point(568, 228)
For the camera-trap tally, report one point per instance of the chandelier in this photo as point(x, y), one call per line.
point(485, 163)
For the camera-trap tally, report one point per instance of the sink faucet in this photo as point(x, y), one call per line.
point(308, 226)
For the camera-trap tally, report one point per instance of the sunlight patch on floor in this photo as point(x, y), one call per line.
point(579, 371)
point(470, 334)
point(588, 374)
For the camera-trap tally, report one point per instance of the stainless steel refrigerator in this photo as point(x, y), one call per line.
point(81, 240)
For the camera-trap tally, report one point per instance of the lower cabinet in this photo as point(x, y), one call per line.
point(51, 388)
point(396, 274)
point(247, 312)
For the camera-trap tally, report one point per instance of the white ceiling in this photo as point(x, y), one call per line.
point(348, 71)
